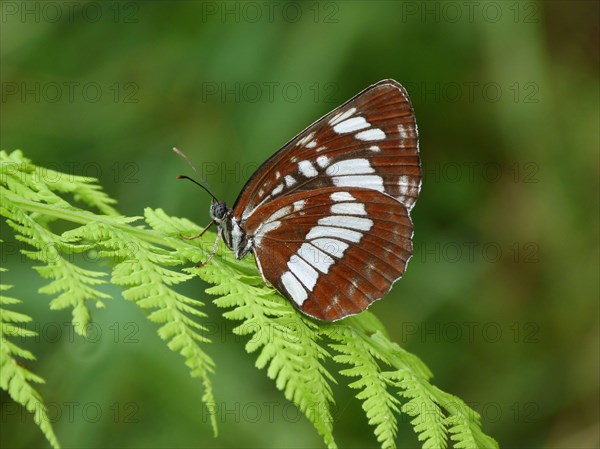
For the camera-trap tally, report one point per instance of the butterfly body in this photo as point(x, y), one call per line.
point(327, 217)
point(232, 231)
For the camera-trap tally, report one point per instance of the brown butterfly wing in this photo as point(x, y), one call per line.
point(371, 141)
point(332, 252)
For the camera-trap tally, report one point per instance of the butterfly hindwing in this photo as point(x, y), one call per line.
point(332, 251)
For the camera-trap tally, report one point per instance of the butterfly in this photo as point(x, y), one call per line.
point(327, 217)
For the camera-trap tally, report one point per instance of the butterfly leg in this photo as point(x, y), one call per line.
point(212, 253)
point(198, 235)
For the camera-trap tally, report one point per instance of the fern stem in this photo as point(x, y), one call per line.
point(85, 218)
point(148, 235)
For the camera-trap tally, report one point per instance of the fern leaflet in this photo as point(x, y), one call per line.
point(14, 377)
point(378, 403)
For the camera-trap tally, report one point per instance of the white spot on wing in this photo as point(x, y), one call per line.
point(289, 181)
point(405, 185)
point(347, 221)
point(371, 134)
point(374, 148)
point(271, 226)
point(307, 169)
point(277, 190)
point(271, 223)
point(311, 144)
point(279, 213)
point(366, 181)
point(348, 209)
point(304, 272)
point(341, 196)
point(264, 229)
point(333, 247)
point(316, 257)
point(341, 116)
point(322, 161)
point(334, 302)
point(294, 288)
point(340, 233)
point(299, 205)
point(351, 125)
point(350, 167)
point(408, 202)
point(403, 131)
point(306, 139)
point(321, 148)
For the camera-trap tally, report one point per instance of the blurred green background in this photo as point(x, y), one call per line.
point(501, 298)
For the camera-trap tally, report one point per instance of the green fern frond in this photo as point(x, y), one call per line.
point(289, 344)
point(15, 378)
point(380, 406)
point(35, 183)
point(143, 269)
point(142, 262)
point(148, 256)
point(71, 286)
point(412, 376)
point(21, 181)
point(464, 423)
point(428, 419)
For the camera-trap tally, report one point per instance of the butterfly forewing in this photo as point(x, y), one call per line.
point(332, 251)
point(371, 141)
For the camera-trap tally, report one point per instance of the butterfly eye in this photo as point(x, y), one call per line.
point(218, 211)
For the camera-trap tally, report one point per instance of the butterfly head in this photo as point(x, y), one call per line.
point(218, 211)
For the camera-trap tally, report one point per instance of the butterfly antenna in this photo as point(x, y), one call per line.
point(202, 182)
